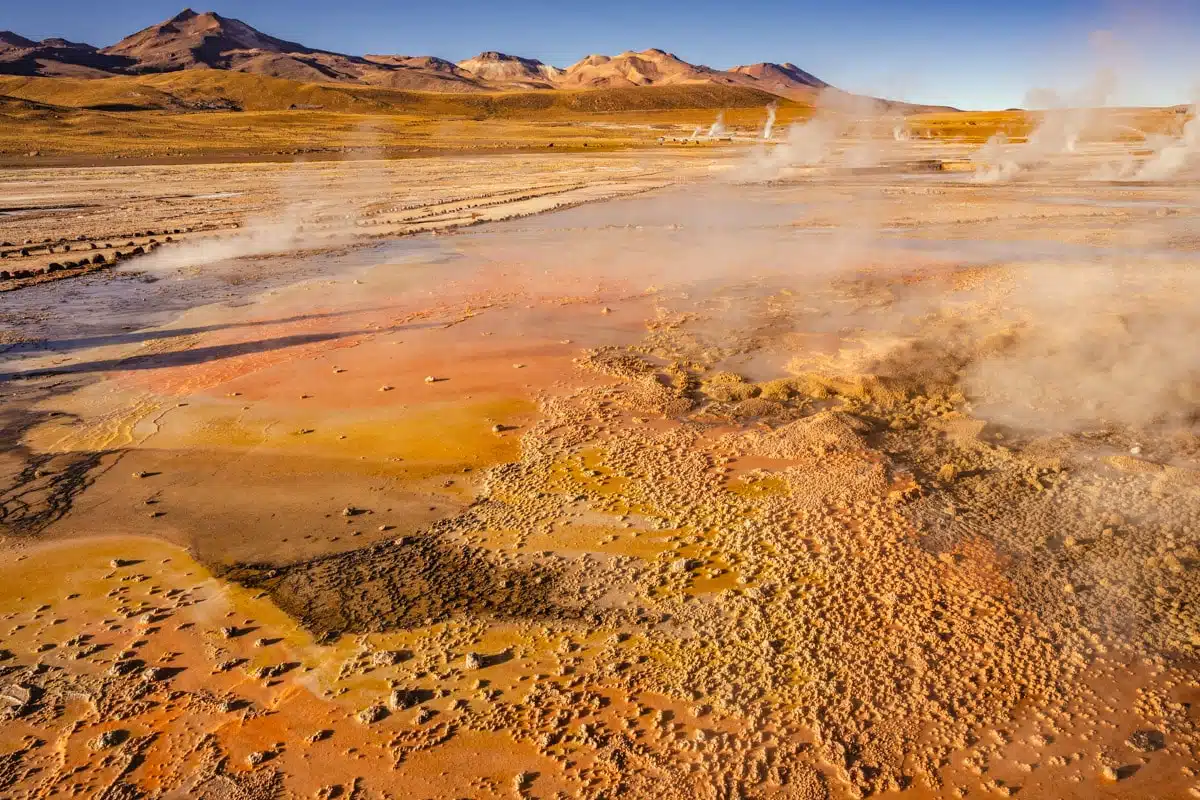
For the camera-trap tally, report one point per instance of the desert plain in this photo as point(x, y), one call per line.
point(860, 461)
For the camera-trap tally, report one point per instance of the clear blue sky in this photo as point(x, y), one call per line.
point(969, 53)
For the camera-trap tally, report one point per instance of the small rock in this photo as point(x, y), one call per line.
point(372, 714)
point(108, 739)
point(156, 673)
point(19, 695)
point(386, 658)
point(473, 661)
point(402, 699)
point(258, 757)
point(1146, 740)
point(948, 473)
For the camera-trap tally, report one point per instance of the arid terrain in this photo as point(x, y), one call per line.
point(601, 474)
point(383, 450)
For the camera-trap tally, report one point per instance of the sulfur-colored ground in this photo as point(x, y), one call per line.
point(626, 474)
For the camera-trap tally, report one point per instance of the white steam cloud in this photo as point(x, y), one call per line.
point(769, 128)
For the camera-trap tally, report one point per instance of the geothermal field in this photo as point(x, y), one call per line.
point(854, 458)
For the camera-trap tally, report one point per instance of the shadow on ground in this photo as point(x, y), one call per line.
point(37, 489)
point(150, 335)
point(412, 582)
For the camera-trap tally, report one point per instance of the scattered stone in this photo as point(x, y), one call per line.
point(372, 714)
point(19, 696)
point(108, 739)
point(1146, 740)
point(948, 473)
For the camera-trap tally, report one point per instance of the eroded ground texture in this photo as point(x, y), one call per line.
point(841, 483)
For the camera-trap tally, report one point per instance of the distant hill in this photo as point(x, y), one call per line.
point(785, 80)
point(209, 41)
point(647, 68)
point(218, 90)
point(500, 69)
point(55, 57)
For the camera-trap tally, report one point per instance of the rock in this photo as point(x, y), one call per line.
point(19, 695)
point(473, 661)
point(402, 699)
point(386, 658)
point(258, 757)
point(156, 673)
point(108, 739)
point(372, 714)
point(948, 473)
point(431, 379)
point(126, 666)
point(1146, 740)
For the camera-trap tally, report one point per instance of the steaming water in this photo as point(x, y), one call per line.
point(1105, 202)
point(724, 249)
point(104, 304)
point(45, 210)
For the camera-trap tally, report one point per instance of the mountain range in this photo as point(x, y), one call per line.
point(191, 40)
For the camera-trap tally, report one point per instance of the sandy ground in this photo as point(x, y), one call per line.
point(853, 482)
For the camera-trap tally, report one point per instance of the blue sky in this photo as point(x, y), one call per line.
point(969, 53)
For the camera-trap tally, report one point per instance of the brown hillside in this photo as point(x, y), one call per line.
point(192, 41)
point(189, 40)
point(647, 68)
point(513, 71)
point(196, 90)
